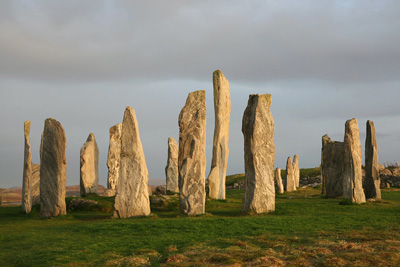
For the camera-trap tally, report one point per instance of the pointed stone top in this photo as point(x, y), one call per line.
point(196, 96)
point(278, 169)
point(296, 158)
point(90, 137)
point(171, 139)
point(289, 161)
point(218, 75)
point(371, 123)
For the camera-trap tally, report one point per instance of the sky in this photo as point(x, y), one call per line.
point(84, 62)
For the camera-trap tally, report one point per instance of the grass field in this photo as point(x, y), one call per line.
point(306, 229)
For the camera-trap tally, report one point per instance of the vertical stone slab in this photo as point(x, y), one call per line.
point(219, 163)
point(114, 158)
point(296, 170)
point(171, 170)
point(290, 183)
point(332, 162)
point(132, 196)
point(372, 179)
point(27, 173)
point(89, 166)
point(192, 154)
point(53, 170)
point(278, 179)
point(352, 173)
point(35, 192)
point(259, 155)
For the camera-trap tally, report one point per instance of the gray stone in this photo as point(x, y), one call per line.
point(192, 154)
point(89, 166)
point(171, 170)
point(259, 155)
point(332, 161)
point(352, 175)
point(278, 179)
point(296, 170)
point(132, 196)
point(222, 107)
point(114, 158)
point(27, 173)
point(372, 179)
point(53, 170)
point(35, 191)
point(289, 182)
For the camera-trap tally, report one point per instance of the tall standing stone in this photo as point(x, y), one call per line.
point(114, 158)
point(372, 179)
point(27, 174)
point(171, 170)
point(132, 196)
point(290, 183)
point(89, 166)
point(35, 192)
point(352, 172)
point(53, 170)
point(222, 107)
point(278, 179)
point(259, 155)
point(296, 170)
point(192, 154)
point(332, 162)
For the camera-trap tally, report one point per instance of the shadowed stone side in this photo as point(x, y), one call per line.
point(222, 107)
point(296, 170)
point(114, 158)
point(352, 172)
point(171, 170)
point(53, 170)
point(332, 161)
point(27, 174)
point(289, 182)
point(192, 154)
point(372, 179)
point(132, 196)
point(278, 179)
point(35, 192)
point(259, 155)
point(89, 166)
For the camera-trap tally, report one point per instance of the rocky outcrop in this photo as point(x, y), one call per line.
point(27, 173)
point(296, 170)
point(171, 170)
point(114, 158)
point(278, 180)
point(352, 175)
point(290, 183)
point(132, 196)
point(222, 107)
point(372, 179)
point(192, 154)
point(53, 170)
point(259, 155)
point(35, 192)
point(89, 166)
point(332, 161)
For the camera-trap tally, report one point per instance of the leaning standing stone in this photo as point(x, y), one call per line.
point(222, 106)
point(27, 174)
point(171, 170)
point(192, 154)
point(332, 161)
point(89, 166)
point(352, 174)
point(296, 170)
point(372, 179)
point(53, 170)
point(259, 155)
point(114, 158)
point(278, 179)
point(132, 196)
point(290, 183)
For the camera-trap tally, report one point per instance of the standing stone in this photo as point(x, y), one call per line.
point(35, 192)
point(171, 170)
point(222, 107)
point(192, 154)
point(278, 179)
point(89, 166)
point(296, 170)
point(259, 155)
point(27, 174)
point(332, 161)
point(372, 179)
point(352, 174)
point(53, 170)
point(114, 158)
point(290, 183)
point(132, 196)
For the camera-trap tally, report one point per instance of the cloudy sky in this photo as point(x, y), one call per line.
point(83, 62)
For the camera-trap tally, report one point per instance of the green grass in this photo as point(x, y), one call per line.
point(305, 229)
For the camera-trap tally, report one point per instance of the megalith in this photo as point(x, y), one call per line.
point(192, 154)
point(171, 170)
point(259, 155)
point(352, 174)
point(296, 170)
point(27, 173)
point(372, 179)
point(53, 170)
point(222, 108)
point(278, 179)
point(332, 162)
point(132, 195)
point(290, 183)
point(114, 158)
point(89, 166)
point(35, 192)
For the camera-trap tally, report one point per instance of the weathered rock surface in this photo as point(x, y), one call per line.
point(278, 179)
point(114, 158)
point(89, 166)
point(27, 174)
point(162, 190)
point(171, 170)
point(132, 196)
point(290, 183)
point(352, 175)
point(296, 170)
point(385, 172)
point(332, 161)
point(259, 155)
point(222, 107)
point(192, 154)
point(372, 179)
point(396, 171)
point(53, 170)
point(35, 191)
